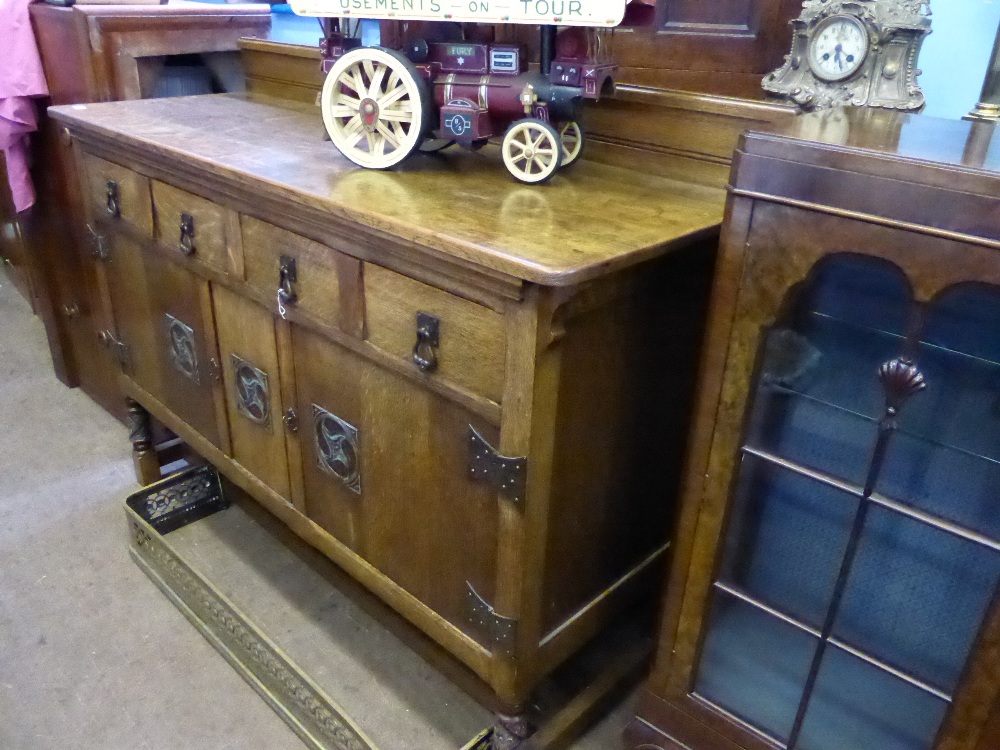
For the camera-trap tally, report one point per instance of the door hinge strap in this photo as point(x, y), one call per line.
point(118, 348)
point(508, 475)
point(499, 631)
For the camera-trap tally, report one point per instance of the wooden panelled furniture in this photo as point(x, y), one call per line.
point(12, 252)
point(834, 579)
point(105, 53)
point(470, 394)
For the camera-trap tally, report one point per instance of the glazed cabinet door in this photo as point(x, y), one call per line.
point(385, 467)
point(165, 336)
point(249, 357)
point(852, 599)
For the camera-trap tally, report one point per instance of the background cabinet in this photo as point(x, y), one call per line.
point(838, 589)
point(105, 53)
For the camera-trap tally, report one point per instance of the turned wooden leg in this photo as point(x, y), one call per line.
point(147, 466)
point(510, 732)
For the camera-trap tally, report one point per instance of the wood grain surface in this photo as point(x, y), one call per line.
point(461, 205)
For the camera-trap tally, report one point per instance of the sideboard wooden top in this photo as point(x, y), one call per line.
point(588, 221)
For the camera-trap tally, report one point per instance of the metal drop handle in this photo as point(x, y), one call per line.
point(428, 336)
point(112, 199)
point(287, 276)
point(187, 234)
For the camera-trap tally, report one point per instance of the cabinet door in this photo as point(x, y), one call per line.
point(859, 564)
point(386, 473)
point(249, 355)
point(132, 308)
point(163, 315)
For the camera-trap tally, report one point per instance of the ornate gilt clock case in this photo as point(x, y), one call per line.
point(886, 36)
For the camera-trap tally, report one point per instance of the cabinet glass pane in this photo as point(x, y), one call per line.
point(964, 319)
point(954, 485)
point(786, 539)
point(916, 597)
point(812, 434)
point(861, 290)
point(754, 665)
point(948, 460)
point(856, 706)
point(818, 397)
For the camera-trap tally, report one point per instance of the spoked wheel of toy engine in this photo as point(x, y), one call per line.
point(376, 107)
point(531, 150)
point(571, 138)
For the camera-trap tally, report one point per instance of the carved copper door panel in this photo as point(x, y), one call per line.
point(860, 559)
point(249, 357)
point(386, 472)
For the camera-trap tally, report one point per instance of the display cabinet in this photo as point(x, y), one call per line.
point(834, 584)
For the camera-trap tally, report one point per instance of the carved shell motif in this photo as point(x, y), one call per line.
point(901, 379)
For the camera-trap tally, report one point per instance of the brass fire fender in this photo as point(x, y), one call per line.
point(311, 713)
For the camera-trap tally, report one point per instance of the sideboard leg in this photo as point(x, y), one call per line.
point(510, 732)
point(147, 466)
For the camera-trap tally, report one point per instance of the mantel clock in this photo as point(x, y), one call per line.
point(857, 52)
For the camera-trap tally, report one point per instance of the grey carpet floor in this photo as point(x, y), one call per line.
point(93, 656)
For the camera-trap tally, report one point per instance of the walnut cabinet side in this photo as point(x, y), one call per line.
point(835, 578)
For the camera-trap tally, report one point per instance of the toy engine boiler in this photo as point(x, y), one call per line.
point(380, 105)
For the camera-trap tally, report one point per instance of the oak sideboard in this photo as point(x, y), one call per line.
point(470, 394)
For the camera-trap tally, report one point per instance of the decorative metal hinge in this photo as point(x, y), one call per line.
point(499, 631)
point(117, 347)
point(508, 475)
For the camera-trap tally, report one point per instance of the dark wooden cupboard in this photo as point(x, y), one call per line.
point(104, 53)
point(834, 584)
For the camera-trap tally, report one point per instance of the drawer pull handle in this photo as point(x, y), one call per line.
point(187, 234)
point(291, 420)
point(425, 350)
point(287, 276)
point(112, 199)
point(71, 310)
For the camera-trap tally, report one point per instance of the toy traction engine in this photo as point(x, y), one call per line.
point(380, 105)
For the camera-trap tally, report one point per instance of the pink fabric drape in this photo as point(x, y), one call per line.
point(21, 79)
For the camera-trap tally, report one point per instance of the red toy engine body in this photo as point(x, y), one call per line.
point(463, 92)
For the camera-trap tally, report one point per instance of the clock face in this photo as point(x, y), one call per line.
point(837, 48)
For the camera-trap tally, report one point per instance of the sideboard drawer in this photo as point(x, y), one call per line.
point(317, 279)
point(468, 347)
point(192, 225)
point(119, 194)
